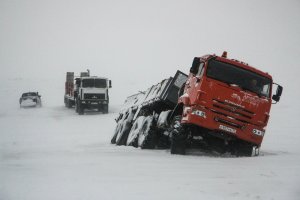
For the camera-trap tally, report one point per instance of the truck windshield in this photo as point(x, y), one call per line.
point(29, 94)
point(98, 83)
point(240, 77)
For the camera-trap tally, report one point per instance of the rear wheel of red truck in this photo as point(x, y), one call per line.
point(117, 129)
point(122, 135)
point(178, 136)
point(133, 135)
point(147, 136)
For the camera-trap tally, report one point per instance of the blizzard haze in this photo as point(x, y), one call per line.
point(52, 153)
point(148, 39)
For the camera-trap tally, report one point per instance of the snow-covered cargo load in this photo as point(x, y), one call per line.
point(223, 105)
point(156, 99)
point(165, 91)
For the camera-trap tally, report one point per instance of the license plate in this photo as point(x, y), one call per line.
point(228, 129)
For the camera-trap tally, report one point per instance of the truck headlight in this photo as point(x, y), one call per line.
point(258, 132)
point(199, 113)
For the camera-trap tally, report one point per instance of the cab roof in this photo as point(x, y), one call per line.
point(92, 77)
point(237, 63)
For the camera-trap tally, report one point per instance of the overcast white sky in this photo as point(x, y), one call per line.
point(140, 42)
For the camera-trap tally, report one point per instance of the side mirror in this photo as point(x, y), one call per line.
point(276, 97)
point(109, 83)
point(77, 82)
point(195, 66)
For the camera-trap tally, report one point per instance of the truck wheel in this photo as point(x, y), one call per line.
point(178, 136)
point(76, 106)
point(69, 104)
point(163, 140)
point(133, 135)
point(81, 111)
point(79, 108)
point(113, 139)
point(105, 109)
point(147, 136)
point(122, 135)
point(243, 149)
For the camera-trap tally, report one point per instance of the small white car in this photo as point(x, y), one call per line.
point(30, 99)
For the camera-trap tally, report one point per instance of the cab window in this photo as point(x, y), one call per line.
point(200, 70)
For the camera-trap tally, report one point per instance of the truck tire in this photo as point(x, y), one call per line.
point(81, 111)
point(122, 135)
point(113, 139)
point(69, 104)
point(147, 136)
point(243, 149)
point(133, 135)
point(178, 136)
point(105, 108)
point(76, 106)
point(79, 108)
point(163, 139)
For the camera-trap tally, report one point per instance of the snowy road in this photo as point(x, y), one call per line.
point(53, 153)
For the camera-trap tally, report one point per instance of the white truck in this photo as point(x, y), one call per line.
point(86, 92)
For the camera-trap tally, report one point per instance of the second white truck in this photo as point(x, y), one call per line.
point(86, 92)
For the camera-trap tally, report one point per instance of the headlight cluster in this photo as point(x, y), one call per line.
point(258, 132)
point(199, 113)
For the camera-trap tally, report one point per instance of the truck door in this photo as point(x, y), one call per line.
point(193, 84)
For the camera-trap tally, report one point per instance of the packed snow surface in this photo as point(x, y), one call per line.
point(52, 153)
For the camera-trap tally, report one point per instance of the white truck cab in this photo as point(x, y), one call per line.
point(88, 92)
point(91, 93)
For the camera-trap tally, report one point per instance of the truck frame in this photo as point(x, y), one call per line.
point(86, 92)
point(223, 104)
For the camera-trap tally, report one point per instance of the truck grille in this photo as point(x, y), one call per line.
point(94, 96)
point(232, 112)
point(228, 123)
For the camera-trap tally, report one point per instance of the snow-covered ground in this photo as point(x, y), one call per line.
point(52, 153)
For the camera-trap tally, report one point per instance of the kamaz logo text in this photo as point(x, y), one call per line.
point(230, 102)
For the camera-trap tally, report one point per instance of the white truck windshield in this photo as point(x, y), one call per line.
point(94, 82)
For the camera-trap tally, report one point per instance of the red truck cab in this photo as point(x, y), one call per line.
point(228, 100)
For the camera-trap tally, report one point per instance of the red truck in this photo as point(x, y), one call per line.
point(223, 104)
